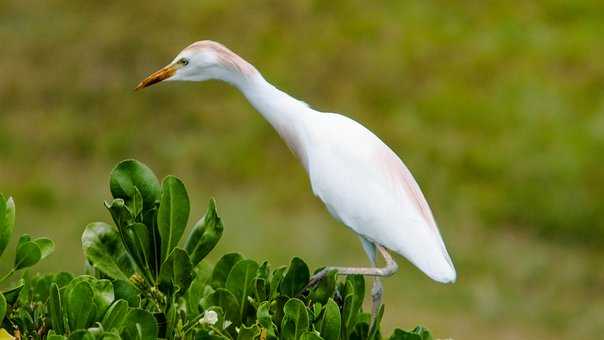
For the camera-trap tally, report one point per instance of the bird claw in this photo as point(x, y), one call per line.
point(315, 279)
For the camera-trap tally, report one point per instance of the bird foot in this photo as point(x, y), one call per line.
point(315, 279)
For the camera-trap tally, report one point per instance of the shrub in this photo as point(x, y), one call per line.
point(139, 284)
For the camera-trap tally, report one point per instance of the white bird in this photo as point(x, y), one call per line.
point(361, 181)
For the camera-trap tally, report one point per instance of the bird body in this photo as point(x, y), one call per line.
point(361, 181)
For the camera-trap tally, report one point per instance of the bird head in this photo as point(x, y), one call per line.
point(201, 61)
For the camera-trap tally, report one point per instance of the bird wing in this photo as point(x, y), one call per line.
point(365, 185)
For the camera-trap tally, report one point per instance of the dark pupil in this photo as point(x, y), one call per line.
point(184, 61)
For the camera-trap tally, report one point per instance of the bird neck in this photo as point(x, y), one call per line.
point(287, 115)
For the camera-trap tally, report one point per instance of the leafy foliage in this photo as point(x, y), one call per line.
point(141, 285)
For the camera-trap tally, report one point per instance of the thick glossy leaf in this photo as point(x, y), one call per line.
point(115, 315)
point(102, 291)
point(80, 306)
point(177, 271)
point(248, 333)
point(276, 279)
point(265, 320)
point(419, 333)
point(331, 322)
point(295, 279)
point(295, 320)
point(130, 175)
point(139, 245)
point(103, 295)
point(361, 327)
point(7, 221)
point(126, 291)
point(310, 336)
point(46, 245)
point(2, 307)
point(374, 332)
point(28, 254)
point(150, 220)
point(223, 268)
point(276, 308)
point(173, 213)
point(55, 309)
point(82, 334)
point(325, 289)
point(63, 278)
point(12, 294)
point(55, 337)
point(136, 205)
point(205, 234)
point(203, 273)
point(240, 282)
point(226, 300)
point(354, 293)
point(104, 249)
point(139, 325)
point(120, 213)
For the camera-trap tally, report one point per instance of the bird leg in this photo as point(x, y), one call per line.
point(377, 289)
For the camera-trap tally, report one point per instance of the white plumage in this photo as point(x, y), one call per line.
point(361, 180)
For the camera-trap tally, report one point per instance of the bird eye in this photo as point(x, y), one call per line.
point(184, 61)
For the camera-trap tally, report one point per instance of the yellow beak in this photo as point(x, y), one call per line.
point(156, 77)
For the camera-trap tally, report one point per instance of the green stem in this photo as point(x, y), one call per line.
point(11, 272)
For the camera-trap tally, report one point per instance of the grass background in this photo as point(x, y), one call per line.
point(496, 107)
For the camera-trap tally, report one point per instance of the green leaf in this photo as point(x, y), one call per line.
point(310, 336)
point(354, 293)
point(173, 214)
point(419, 333)
point(138, 243)
point(55, 309)
point(130, 175)
point(103, 295)
point(361, 327)
point(81, 309)
point(223, 268)
point(120, 213)
point(177, 271)
point(295, 320)
point(325, 288)
point(102, 291)
point(139, 325)
point(227, 301)
point(28, 254)
point(56, 337)
point(7, 221)
point(276, 308)
point(331, 322)
point(203, 272)
point(115, 315)
point(2, 307)
point(248, 333)
point(12, 294)
point(240, 282)
point(46, 245)
point(82, 334)
point(104, 249)
point(374, 332)
point(205, 234)
point(265, 320)
point(126, 291)
point(62, 279)
point(276, 279)
point(296, 278)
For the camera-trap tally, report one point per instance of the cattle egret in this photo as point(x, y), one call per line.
point(361, 181)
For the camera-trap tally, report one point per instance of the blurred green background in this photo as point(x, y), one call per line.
point(497, 108)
